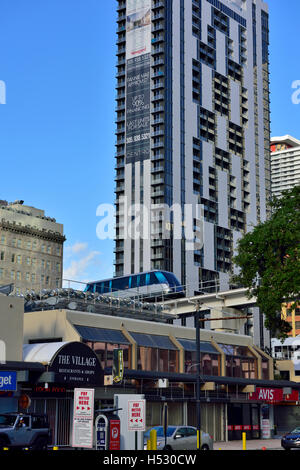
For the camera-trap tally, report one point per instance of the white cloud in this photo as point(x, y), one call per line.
point(76, 248)
point(77, 269)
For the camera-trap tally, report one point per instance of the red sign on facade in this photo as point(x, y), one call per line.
point(273, 395)
point(115, 433)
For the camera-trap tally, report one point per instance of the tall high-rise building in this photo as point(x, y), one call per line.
point(285, 163)
point(193, 135)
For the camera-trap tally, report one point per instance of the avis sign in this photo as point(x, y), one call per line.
point(273, 395)
point(136, 415)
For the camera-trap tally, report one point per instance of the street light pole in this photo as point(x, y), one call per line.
point(197, 318)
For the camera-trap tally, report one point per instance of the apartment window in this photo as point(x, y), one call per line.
point(19, 259)
point(57, 267)
point(12, 274)
point(43, 263)
point(49, 249)
point(58, 251)
point(43, 278)
point(47, 280)
point(18, 275)
point(33, 262)
point(48, 264)
point(43, 248)
point(27, 277)
point(34, 245)
point(13, 242)
point(2, 256)
point(1, 273)
point(28, 261)
point(3, 239)
point(28, 245)
point(13, 258)
point(19, 243)
point(32, 277)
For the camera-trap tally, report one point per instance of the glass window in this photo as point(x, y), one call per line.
point(3, 239)
point(19, 259)
point(19, 243)
point(1, 273)
point(2, 256)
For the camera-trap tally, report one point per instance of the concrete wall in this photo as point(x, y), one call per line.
point(11, 327)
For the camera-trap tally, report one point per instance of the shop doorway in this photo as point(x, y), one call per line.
point(59, 412)
point(243, 418)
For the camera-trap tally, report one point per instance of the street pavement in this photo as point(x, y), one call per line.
point(255, 444)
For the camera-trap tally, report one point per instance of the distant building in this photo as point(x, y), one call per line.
point(31, 248)
point(292, 316)
point(285, 163)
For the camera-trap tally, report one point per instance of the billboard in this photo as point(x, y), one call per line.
point(138, 79)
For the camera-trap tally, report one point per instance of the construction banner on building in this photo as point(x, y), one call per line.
point(138, 54)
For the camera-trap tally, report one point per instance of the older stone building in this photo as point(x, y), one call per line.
point(31, 248)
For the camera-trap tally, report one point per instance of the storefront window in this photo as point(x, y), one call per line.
point(104, 352)
point(239, 362)
point(159, 360)
point(209, 363)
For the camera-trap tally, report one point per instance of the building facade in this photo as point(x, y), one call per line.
point(31, 248)
point(238, 390)
point(192, 147)
point(285, 164)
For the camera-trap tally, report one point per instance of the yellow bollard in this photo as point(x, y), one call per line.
point(153, 439)
point(244, 441)
point(148, 444)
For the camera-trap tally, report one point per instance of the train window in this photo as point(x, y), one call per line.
point(147, 279)
point(153, 279)
point(173, 281)
point(134, 282)
point(143, 280)
point(161, 278)
point(105, 287)
point(121, 284)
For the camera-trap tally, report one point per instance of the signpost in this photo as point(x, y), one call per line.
point(83, 416)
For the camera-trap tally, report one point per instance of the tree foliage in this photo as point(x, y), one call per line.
point(268, 259)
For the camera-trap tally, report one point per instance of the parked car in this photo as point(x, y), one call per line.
point(291, 439)
point(179, 438)
point(18, 430)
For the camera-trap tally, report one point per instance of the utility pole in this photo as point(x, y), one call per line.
point(198, 403)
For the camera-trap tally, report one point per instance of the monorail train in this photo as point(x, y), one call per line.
point(151, 285)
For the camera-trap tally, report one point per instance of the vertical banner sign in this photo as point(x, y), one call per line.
point(83, 418)
point(118, 365)
point(138, 54)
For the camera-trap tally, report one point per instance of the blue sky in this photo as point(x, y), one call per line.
point(57, 126)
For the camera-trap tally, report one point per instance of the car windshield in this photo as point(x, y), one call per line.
point(296, 430)
point(160, 431)
point(7, 420)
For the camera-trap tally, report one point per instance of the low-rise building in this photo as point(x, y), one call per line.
point(238, 389)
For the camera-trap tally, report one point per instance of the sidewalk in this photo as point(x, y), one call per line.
point(255, 444)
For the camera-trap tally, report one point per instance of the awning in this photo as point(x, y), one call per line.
point(190, 345)
point(153, 341)
point(72, 362)
point(101, 335)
